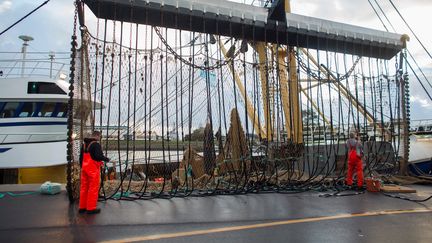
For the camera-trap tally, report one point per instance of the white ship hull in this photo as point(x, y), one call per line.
point(33, 123)
point(29, 155)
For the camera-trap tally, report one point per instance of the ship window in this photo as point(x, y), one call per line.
point(47, 109)
point(2, 104)
point(27, 109)
point(9, 110)
point(43, 88)
point(62, 110)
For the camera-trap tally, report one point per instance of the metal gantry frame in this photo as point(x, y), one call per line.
point(269, 29)
point(278, 37)
point(272, 25)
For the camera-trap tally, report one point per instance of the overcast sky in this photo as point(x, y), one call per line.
point(51, 27)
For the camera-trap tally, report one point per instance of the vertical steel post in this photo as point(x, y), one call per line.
point(404, 94)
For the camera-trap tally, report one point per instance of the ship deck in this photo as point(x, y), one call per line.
point(268, 217)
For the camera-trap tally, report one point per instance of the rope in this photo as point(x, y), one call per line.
point(412, 57)
point(25, 16)
point(407, 198)
point(409, 27)
point(2, 195)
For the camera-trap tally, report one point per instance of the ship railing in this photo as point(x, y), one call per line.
point(422, 125)
point(35, 67)
point(317, 133)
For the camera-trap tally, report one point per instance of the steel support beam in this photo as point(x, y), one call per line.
point(248, 22)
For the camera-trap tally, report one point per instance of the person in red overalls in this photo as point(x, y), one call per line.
point(91, 158)
point(355, 153)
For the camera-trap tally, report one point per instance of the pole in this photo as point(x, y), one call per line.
point(26, 39)
point(51, 56)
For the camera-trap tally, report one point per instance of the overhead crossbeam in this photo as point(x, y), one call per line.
point(251, 23)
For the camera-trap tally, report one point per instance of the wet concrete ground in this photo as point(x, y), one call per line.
point(270, 217)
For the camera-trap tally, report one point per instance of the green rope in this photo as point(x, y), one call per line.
point(121, 194)
point(2, 195)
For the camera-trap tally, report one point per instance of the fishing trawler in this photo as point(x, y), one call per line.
point(420, 153)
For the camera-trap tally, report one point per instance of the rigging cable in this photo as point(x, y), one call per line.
point(21, 19)
point(409, 27)
point(412, 57)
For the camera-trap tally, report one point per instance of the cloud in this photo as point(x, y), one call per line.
point(336, 10)
point(417, 91)
point(50, 26)
point(425, 103)
point(5, 5)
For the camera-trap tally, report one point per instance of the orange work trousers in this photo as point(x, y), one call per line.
point(90, 182)
point(354, 164)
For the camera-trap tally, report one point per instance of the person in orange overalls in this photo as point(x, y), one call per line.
point(91, 158)
point(355, 153)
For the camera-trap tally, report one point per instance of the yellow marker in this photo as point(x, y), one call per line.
point(263, 225)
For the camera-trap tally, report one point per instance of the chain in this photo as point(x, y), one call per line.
point(177, 56)
point(75, 23)
point(314, 75)
point(307, 69)
point(405, 78)
point(69, 185)
point(345, 76)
